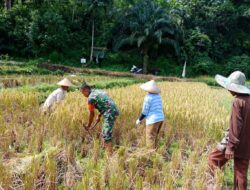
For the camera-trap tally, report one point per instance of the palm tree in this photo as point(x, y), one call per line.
point(146, 26)
point(94, 5)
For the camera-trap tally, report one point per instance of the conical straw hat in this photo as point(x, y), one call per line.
point(151, 87)
point(236, 82)
point(65, 82)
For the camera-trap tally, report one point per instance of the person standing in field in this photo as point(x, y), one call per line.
point(56, 96)
point(152, 111)
point(236, 143)
point(98, 99)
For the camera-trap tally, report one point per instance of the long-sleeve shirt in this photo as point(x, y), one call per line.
point(239, 131)
point(55, 97)
point(152, 108)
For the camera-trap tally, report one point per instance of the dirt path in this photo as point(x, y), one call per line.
point(54, 67)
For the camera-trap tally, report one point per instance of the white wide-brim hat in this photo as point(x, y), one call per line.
point(236, 82)
point(65, 82)
point(151, 87)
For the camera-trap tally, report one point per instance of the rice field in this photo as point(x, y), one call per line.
point(54, 151)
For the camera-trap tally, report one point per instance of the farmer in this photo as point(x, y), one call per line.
point(56, 96)
point(236, 143)
point(98, 99)
point(153, 112)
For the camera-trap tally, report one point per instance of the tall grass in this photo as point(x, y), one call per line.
point(195, 117)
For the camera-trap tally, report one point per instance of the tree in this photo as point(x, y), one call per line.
point(94, 5)
point(147, 26)
point(8, 4)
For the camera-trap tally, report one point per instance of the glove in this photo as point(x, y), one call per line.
point(138, 122)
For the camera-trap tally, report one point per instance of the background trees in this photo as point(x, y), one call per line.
point(147, 27)
point(208, 34)
point(94, 10)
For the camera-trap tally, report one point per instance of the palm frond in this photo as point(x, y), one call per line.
point(140, 40)
point(173, 43)
point(147, 24)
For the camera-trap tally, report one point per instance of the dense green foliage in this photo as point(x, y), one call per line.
point(212, 36)
point(147, 27)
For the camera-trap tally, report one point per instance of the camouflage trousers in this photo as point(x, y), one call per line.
point(109, 121)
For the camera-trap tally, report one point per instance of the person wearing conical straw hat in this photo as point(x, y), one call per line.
point(236, 144)
point(152, 111)
point(57, 95)
point(99, 99)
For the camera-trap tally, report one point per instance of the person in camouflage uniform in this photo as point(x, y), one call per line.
point(98, 99)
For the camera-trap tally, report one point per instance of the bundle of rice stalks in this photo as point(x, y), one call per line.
point(32, 172)
point(68, 172)
point(17, 182)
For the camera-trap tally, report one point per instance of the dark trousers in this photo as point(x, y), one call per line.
point(217, 159)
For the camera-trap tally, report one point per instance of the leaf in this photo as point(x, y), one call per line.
point(140, 41)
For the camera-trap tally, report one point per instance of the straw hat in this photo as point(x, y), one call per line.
point(151, 87)
point(236, 82)
point(65, 82)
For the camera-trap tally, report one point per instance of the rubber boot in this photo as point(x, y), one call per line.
point(108, 148)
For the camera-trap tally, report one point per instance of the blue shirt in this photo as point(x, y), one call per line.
point(152, 109)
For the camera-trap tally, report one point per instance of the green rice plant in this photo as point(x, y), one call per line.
point(187, 176)
point(132, 171)
point(169, 182)
point(176, 160)
point(5, 176)
point(32, 173)
point(139, 182)
point(219, 179)
point(51, 171)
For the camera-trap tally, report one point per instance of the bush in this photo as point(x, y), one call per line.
point(55, 57)
point(241, 63)
point(203, 65)
point(196, 43)
point(48, 32)
point(14, 25)
point(166, 66)
point(121, 61)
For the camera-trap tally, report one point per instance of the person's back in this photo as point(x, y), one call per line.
point(152, 111)
point(102, 101)
point(240, 123)
point(155, 111)
point(56, 96)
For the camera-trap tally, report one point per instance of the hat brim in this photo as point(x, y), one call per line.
point(150, 90)
point(225, 83)
point(64, 84)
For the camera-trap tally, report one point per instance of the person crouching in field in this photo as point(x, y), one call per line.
point(152, 111)
point(57, 95)
point(98, 99)
point(236, 143)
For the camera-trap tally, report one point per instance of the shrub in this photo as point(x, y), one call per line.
point(196, 43)
point(241, 63)
point(14, 25)
point(121, 61)
point(48, 32)
point(203, 65)
point(167, 66)
point(55, 57)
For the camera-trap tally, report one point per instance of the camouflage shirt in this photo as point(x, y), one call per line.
point(103, 103)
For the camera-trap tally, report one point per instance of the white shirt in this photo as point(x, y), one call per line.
point(152, 109)
point(55, 97)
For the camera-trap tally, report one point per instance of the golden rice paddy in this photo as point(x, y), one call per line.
point(55, 152)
